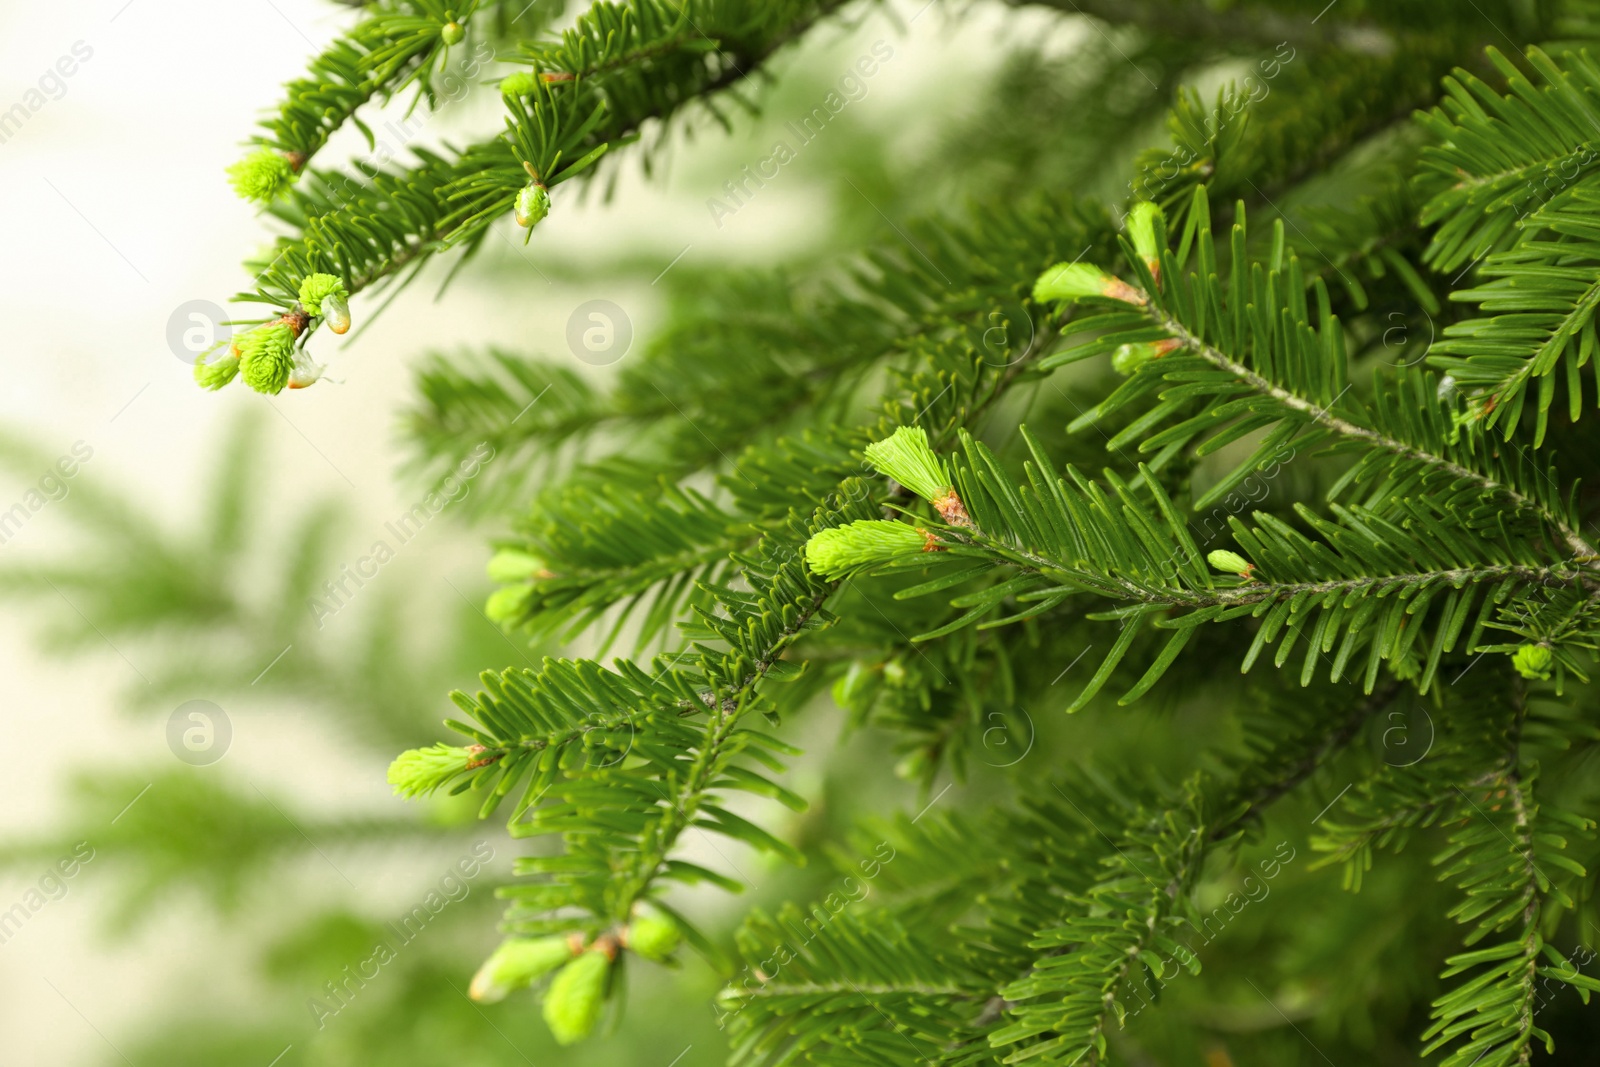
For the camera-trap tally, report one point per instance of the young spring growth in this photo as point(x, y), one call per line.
point(451, 33)
point(420, 771)
point(1230, 563)
point(515, 565)
point(261, 175)
point(218, 369)
point(508, 605)
point(519, 84)
point(1074, 281)
point(1533, 662)
point(843, 550)
point(1130, 357)
point(577, 995)
point(533, 202)
point(518, 962)
point(325, 296)
point(905, 456)
point(266, 356)
point(652, 936)
point(1142, 232)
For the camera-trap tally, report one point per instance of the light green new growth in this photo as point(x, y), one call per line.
point(1142, 232)
point(420, 771)
point(653, 937)
point(218, 369)
point(515, 964)
point(261, 175)
point(533, 204)
point(318, 287)
point(575, 998)
point(1071, 281)
point(514, 565)
point(266, 357)
point(1130, 357)
point(507, 604)
point(905, 456)
point(841, 550)
point(1533, 662)
point(519, 84)
point(452, 33)
point(1230, 562)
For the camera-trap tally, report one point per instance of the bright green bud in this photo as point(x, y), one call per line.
point(1230, 562)
point(261, 175)
point(217, 370)
point(905, 456)
point(452, 33)
point(841, 550)
point(573, 1003)
point(1142, 232)
point(420, 771)
point(1533, 661)
point(319, 287)
point(1074, 281)
point(266, 357)
point(1129, 358)
point(515, 964)
point(519, 84)
point(653, 937)
point(508, 604)
point(515, 565)
point(533, 204)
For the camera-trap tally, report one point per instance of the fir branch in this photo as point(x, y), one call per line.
point(555, 130)
point(1321, 415)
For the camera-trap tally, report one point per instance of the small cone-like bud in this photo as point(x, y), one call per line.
point(519, 84)
point(906, 457)
point(1130, 357)
point(261, 175)
point(1074, 281)
point(533, 204)
point(573, 1003)
point(653, 937)
point(1142, 218)
point(508, 604)
point(266, 357)
point(420, 771)
point(452, 33)
point(1230, 563)
point(517, 963)
point(218, 369)
point(1533, 662)
point(515, 565)
point(842, 550)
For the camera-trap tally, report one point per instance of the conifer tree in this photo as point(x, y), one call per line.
point(1235, 612)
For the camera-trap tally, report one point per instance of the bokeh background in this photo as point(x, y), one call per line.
point(230, 876)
